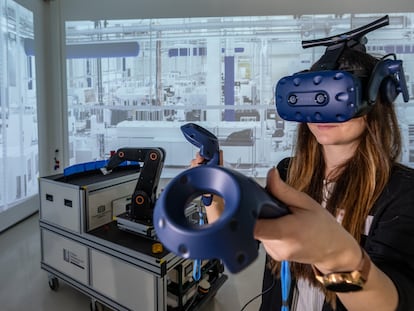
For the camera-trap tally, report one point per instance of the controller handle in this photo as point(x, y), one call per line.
point(209, 147)
point(203, 139)
point(230, 237)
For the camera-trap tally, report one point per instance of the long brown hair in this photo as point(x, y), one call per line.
point(360, 180)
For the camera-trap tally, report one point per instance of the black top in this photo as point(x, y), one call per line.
point(390, 241)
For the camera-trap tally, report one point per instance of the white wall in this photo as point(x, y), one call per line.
point(28, 206)
point(46, 84)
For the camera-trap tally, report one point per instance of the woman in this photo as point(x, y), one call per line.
point(351, 169)
point(352, 209)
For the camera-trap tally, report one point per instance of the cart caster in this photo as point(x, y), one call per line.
point(96, 306)
point(54, 283)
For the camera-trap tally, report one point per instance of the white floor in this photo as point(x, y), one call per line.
point(24, 285)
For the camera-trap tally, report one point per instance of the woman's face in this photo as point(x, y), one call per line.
point(339, 134)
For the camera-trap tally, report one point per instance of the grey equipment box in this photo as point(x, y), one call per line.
point(82, 202)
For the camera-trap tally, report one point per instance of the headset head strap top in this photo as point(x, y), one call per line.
point(337, 89)
point(353, 39)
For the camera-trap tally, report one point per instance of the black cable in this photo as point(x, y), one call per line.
point(261, 294)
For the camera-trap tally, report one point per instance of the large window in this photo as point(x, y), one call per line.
point(18, 120)
point(133, 83)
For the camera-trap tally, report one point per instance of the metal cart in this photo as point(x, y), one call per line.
point(82, 245)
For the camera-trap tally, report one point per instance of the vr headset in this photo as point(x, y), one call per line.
point(331, 95)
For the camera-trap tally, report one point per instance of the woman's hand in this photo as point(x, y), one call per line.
point(310, 234)
point(198, 160)
point(216, 208)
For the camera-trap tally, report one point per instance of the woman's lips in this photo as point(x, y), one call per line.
point(325, 126)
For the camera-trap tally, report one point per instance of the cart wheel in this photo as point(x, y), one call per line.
point(54, 283)
point(96, 306)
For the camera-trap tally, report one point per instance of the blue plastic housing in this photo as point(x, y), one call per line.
point(203, 139)
point(230, 237)
point(329, 96)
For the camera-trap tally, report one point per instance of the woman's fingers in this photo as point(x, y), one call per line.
point(273, 229)
point(221, 161)
point(288, 195)
point(200, 160)
point(305, 211)
point(197, 160)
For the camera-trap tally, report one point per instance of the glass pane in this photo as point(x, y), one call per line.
point(133, 83)
point(18, 120)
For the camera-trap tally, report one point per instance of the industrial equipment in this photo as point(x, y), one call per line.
point(138, 215)
point(97, 236)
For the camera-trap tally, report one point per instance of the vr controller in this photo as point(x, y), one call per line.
point(205, 140)
point(330, 95)
point(208, 144)
point(230, 237)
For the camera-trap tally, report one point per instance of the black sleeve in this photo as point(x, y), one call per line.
point(271, 289)
point(271, 286)
point(390, 242)
point(282, 168)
